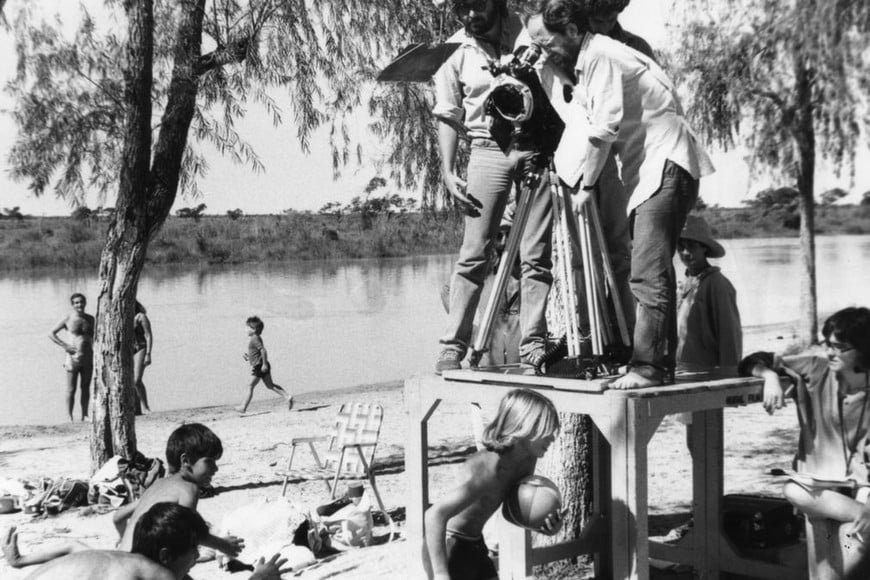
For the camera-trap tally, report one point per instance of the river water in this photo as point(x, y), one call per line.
point(330, 325)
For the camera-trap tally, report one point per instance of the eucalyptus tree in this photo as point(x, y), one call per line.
point(125, 103)
point(789, 80)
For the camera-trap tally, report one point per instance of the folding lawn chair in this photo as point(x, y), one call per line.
point(350, 452)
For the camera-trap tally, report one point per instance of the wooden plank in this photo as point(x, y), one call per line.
point(508, 376)
point(622, 548)
point(417, 474)
point(514, 551)
point(565, 550)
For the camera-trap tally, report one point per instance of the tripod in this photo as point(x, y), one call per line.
point(582, 230)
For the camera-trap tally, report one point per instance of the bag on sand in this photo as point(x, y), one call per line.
point(120, 480)
point(65, 494)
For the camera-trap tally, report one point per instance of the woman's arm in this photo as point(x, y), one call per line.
point(149, 337)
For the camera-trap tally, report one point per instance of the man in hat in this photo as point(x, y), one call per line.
point(462, 85)
point(708, 322)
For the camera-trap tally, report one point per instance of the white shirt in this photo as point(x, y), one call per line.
point(624, 99)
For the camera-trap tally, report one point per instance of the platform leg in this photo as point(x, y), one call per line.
point(707, 489)
point(417, 473)
point(629, 435)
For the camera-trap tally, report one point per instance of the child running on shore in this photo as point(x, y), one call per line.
point(164, 548)
point(191, 453)
point(832, 395)
point(259, 361)
point(523, 429)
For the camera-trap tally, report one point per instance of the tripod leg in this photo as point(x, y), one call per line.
point(532, 186)
point(608, 273)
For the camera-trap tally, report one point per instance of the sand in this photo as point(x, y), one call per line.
point(253, 448)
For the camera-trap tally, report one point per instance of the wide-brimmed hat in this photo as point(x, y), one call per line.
point(697, 229)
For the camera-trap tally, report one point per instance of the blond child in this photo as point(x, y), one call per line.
point(259, 361)
point(523, 429)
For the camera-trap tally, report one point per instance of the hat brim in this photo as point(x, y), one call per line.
point(714, 248)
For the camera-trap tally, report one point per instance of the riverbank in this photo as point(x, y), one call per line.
point(60, 242)
point(754, 443)
point(253, 451)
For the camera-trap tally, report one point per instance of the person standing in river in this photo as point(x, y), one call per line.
point(79, 363)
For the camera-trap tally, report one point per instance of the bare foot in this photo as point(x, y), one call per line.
point(290, 403)
point(632, 380)
point(241, 410)
point(10, 548)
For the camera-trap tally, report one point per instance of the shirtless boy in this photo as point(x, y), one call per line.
point(164, 548)
point(522, 431)
point(191, 453)
point(79, 363)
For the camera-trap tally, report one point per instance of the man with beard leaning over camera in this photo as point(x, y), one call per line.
point(632, 109)
point(461, 86)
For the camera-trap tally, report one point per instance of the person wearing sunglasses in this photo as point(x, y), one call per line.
point(831, 389)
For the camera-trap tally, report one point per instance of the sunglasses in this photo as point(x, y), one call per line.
point(839, 347)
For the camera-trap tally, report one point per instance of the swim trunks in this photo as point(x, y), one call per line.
point(468, 558)
point(257, 371)
point(76, 362)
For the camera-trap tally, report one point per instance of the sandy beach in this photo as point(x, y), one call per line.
point(253, 450)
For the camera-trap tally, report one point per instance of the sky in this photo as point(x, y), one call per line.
point(294, 179)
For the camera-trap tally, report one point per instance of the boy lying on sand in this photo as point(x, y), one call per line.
point(165, 547)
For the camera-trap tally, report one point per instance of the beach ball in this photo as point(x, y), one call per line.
point(528, 504)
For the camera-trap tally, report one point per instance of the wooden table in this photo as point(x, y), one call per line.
point(625, 421)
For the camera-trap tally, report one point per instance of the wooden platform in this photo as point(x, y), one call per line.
point(625, 422)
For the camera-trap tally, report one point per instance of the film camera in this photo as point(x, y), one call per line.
point(520, 112)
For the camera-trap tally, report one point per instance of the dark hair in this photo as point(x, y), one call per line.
point(77, 295)
point(558, 14)
point(851, 325)
point(255, 323)
point(195, 441)
point(594, 7)
point(168, 525)
point(457, 5)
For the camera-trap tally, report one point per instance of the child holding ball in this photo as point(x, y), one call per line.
point(523, 429)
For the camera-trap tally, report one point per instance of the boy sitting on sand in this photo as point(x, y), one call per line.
point(523, 429)
point(191, 453)
point(164, 548)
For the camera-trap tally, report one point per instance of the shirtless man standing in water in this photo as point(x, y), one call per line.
point(79, 362)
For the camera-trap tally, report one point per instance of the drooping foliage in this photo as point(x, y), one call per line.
point(787, 79)
point(317, 58)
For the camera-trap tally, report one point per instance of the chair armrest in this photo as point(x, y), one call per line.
point(346, 445)
point(298, 440)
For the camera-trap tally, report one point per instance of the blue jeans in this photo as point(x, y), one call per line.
point(491, 173)
point(655, 228)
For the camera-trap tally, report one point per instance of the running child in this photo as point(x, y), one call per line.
point(259, 361)
point(191, 454)
point(523, 429)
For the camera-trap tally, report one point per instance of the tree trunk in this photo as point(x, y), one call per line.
point(569, 461)
point(144, 201)
point(112, 412)
point(808, 326)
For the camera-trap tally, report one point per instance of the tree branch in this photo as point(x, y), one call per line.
point(234, 52)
